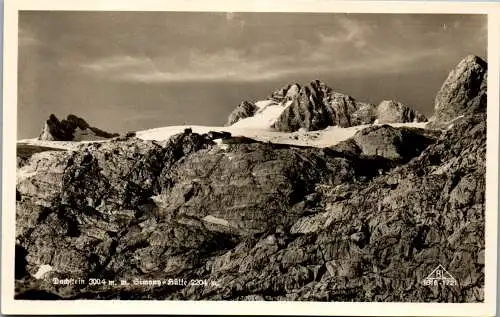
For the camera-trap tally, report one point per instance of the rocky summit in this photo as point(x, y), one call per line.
point(366, 219)
point(464, 90)
point(390, 111)
point(316, 106)
point(72, 128)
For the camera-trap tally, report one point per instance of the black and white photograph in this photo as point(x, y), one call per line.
point(247, 156)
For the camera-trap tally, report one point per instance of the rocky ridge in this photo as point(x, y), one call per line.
point(72, 128)
point(316, 106)
point(365, 220)
point(244, 110)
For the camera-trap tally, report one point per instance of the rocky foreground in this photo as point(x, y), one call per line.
point(367, 219)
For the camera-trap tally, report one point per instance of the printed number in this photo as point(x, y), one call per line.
point(198, 282)
point(96, 281)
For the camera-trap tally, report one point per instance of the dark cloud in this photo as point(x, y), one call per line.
point(176, 67)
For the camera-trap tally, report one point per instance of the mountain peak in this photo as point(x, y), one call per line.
point(73, 128)
point(391, 111)
point(474, 59)
point(77, 121)
point(285, 93)
point(317, 83)
point(464, 90)
point(316, 106)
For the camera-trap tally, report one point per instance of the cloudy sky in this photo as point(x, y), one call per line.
point(127, 71)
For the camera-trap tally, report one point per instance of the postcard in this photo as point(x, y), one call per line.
point(231, 157)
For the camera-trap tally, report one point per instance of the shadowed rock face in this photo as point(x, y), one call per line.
point(317, 106)
point(55, 130)
point(464, 91)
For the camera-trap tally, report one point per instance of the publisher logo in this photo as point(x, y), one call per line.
point(440, 277)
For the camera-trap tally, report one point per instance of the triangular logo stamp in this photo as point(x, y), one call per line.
point(439, 276)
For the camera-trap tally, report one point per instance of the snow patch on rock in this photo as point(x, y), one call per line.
point(42, 270)
point(23, 174)
point(220, 144)
point(264, 118)
point(264, 103)
point(215, 220)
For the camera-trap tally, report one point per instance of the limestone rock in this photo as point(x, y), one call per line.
point(244, 110)
point(400, 144)
point(287, 93)
point(317, 106)
point(390, 111)
point(263, 221)
point(464, 90)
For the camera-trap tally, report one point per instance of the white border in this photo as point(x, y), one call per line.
point(11, 306)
